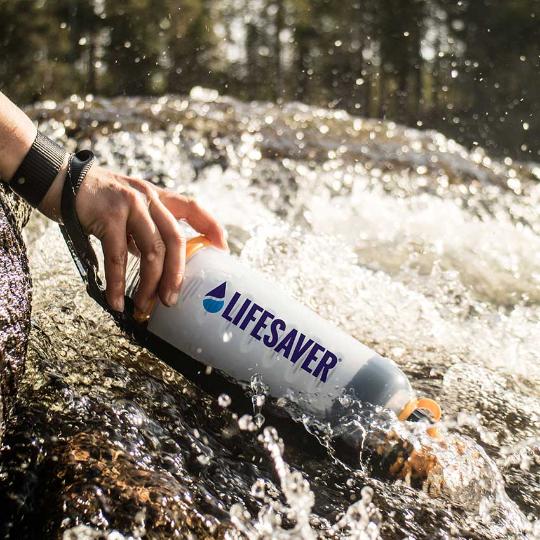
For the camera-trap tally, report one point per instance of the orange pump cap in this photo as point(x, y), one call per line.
point(195, 244)
point(427, 404)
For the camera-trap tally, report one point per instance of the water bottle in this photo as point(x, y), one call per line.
point(231, 318)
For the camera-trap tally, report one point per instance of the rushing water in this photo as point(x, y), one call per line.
point(426, 252)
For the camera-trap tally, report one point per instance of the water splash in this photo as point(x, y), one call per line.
point(293, 518)
point(418, 247)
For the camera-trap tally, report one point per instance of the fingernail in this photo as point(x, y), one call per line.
point(118, 303)
point(139, 316)
point(172, 298)
point(144, 309)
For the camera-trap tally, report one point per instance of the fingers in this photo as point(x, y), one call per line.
point(174, 265)
point(164, 269)
point(145, 223)
point(146, 236)
point(132, 247)
point(115, 254)
point(184, 208)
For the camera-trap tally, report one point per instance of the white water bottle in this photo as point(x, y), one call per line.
point(233, 319)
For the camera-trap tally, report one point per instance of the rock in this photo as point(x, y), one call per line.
point(15, 299)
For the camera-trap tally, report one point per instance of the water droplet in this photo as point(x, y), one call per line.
point(367, 494)
point(245, 423)
point(203, 459)
point(224, 400)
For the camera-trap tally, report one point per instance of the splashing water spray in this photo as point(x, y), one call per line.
point(229, 317)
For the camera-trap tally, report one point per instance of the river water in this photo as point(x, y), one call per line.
point(425, 251)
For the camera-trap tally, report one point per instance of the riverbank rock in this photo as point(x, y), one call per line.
point(15, 299)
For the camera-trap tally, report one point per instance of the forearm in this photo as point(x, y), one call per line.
point(17, 133)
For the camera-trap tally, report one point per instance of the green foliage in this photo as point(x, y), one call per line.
point(469, 67)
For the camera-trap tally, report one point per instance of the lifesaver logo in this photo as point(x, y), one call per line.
point(215, 299)
point(272, 331)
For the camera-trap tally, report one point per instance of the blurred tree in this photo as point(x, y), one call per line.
point(32, 63)
point(278, 7)
point(401, 28)
point(135, 44)
point(191, 44)
point(83, 25)
point(469, 68)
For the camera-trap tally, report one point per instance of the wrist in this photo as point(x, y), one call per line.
point(15, 147)
point(17, 134)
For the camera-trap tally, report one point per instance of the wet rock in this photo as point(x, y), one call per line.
point(15, 299)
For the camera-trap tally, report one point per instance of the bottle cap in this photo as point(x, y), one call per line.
point(422, 409)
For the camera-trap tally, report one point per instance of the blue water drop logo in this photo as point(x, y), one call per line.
point(214, 300)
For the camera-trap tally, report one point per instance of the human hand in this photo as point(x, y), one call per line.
point(127, 213)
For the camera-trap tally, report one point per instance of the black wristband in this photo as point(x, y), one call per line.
point(38, 170)
point(76, 239)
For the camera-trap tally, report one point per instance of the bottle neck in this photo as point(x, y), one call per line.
point(195, 244)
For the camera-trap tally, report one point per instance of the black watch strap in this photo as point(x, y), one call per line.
point(38, 170)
